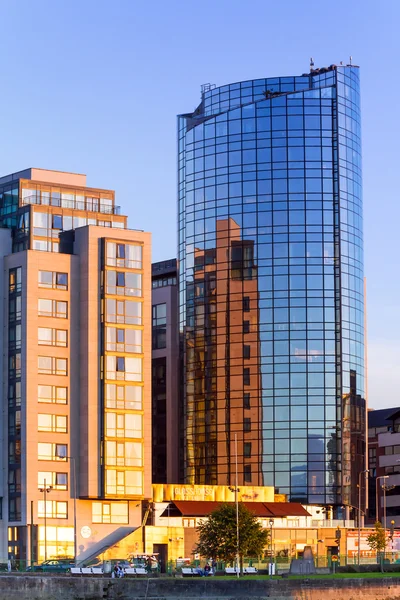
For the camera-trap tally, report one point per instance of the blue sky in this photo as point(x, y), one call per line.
point(94, 86)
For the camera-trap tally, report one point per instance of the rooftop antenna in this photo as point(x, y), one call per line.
point(351, 58)
point(311, 63)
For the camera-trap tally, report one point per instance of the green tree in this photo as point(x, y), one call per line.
point(218, 535)
point(377, 541)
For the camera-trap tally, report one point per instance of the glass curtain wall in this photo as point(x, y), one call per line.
point(271, 283)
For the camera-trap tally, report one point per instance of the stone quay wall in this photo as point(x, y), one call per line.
point(48, 587)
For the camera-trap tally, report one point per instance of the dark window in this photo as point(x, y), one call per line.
point(62, 280)
point(247, 473)
point(246, 326)
point(246, 303)
point(57, 222)
point(246, 424)
point(242, 258)
point(120, 279)
point(247, 449)
point(246, 400)
point(61, 480)
point(120, 250)
point(246, 351)
point(159, 326)
point(120, 336)
point(246, 376)
point(120, 363)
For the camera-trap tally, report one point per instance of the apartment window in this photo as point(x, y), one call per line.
point(14, 394)
point(189, 522)
point(14, 481)
point(246, 303)
point(246, 326)
point(57, 222)
point(48, 336)
point(53, 280)
point(124, 255)
point(124, 340)
point(372, 457)
point(163, 282)
point(124, 368)
point(15, 280)
point(14, 337)
point(246, 424)
point(392, 450)
point(124, 396)
point(14, 512)
point(14, 365)
point(52, 394)
point(52, 423)
point(50, 365)
point(120, 483)
point(123, 283)
point(246, 400)
point(14, 309)
point(246, 376)
point(58, 481)
point(47, 451)
point(14, 452)
point(123, 311)
point(159, 326)
point(124, 425)
point(247, 449)
point(247, 473)
point(110, 512)
point(123, 454)
point(55, 509)
point(246, 351)
point(52, 308)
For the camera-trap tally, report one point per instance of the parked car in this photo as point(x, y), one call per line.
point(53, 565)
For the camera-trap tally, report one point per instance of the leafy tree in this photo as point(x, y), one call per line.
point(218, 534)
point(377, 540)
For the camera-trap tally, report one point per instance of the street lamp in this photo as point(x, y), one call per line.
point(365, 472)
point(271, 524)
point(45, 490)
point(377, 495)
point(71, 458)
point(237, 510)
point(385, 489)
point(236, 490)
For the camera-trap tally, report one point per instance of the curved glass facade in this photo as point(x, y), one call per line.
point(271, 285)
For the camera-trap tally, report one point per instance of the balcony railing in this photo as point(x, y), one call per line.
point(87, 205)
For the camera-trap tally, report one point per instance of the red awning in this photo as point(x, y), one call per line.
point(193, 508)
point(287, 509)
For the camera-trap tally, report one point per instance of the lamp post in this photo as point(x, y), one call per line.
point(271, 524)
point(377, 495)
point(45, 490)
point(72, 459)
point(359, 512)
point(237, 510)
point(385, 489)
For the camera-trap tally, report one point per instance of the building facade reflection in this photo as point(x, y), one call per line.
point(271, 281)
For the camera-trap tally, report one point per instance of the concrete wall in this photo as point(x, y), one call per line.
point(89, 588)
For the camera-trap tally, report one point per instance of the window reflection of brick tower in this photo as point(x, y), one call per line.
point(222, 362)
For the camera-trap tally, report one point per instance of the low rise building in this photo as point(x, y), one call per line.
point(384, 466)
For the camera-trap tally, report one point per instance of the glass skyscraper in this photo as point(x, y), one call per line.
point(271, 285)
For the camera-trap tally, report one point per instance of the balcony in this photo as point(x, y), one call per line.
point(388, 439)
point(91, 205)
